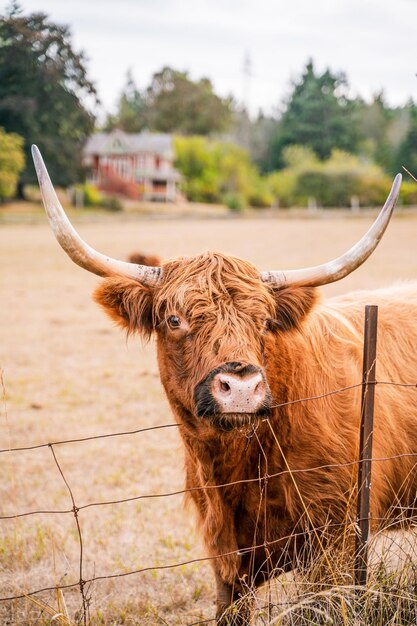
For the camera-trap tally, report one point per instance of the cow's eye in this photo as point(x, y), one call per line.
point(174, 321)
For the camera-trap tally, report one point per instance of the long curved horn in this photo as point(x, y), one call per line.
point(342, 266)
point(79, 251)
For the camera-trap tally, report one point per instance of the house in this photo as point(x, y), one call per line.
point(137, 165)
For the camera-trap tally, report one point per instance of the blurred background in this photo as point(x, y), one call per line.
point(144, 110)
point(236, 103)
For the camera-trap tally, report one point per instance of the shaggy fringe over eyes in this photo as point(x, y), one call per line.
point(202, 284)
point(128, 303)
point(207, 287)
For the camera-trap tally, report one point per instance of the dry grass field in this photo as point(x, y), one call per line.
point(67, 372)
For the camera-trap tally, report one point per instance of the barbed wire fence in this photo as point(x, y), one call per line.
point(364, 463)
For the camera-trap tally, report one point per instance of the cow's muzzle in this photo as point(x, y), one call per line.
point(233, 393)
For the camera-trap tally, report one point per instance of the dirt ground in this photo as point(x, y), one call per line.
point(67, 372)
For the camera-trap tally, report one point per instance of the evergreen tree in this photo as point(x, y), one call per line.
point(319, 115)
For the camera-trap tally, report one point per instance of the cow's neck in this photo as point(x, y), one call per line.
point(234, 516)
point(240, 455)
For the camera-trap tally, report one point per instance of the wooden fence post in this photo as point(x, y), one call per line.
point(365, 445)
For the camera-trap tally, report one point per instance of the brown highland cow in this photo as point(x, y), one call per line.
point(236, 348)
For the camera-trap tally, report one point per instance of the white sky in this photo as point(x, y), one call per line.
point(373, 41)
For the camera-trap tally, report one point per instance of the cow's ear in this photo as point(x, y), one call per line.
point(292, 305)
point(128, 303)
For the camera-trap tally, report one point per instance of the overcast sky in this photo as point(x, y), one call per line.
point(373, 41)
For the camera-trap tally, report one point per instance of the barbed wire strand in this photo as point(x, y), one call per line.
point(90, 438)
point(174, 425)
point(153, 568)
point(265, 477)
point(239, 552)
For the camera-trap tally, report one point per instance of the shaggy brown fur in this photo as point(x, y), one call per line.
point(305, 348)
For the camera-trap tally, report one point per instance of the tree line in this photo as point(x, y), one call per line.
point(323, 143)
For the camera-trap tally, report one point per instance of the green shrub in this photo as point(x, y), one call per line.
point(330, 189)
point(202, 189)
point(213, 170)
point(332, 182)
point(92, 197)
point(111, 203)
point(374, 190)
point(312, 184)
point(299, 157)
point(408, 192)
point(342, 186)
point(12, 162)
point(234, 201)
point(195, 159)
point(260, 196)
point(282, 186)
point(236, 174)
point(90, 194)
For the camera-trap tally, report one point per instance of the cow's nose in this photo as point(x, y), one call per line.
point(237, 394)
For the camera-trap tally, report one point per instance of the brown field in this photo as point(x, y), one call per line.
point(68, 373)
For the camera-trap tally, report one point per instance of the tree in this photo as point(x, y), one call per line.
point(319, 115)
point(132, 109)
point(176, 103)
point(217, 171)
point(195, 160)
point(171, 103)
point(375, 121)
point(406, 155)
point(12, 161)
point(43, 82)
point(253, 135)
